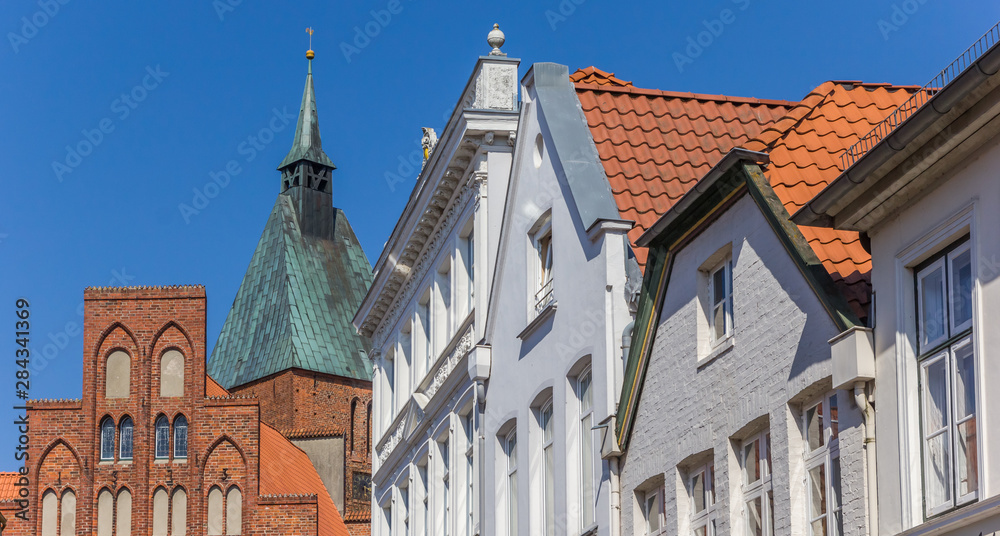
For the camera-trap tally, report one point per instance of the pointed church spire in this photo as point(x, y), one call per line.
point(307, 147)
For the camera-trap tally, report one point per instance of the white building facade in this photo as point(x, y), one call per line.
point(558, 309)
point(927, 195)
point(424, 314)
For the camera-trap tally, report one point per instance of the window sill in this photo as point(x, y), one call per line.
point(180, 460)
point(548, 312)
point(106, 462)
point(125, 462)
point(963, 516)
point(722, 347)
point(590, 531)
point(161, 461)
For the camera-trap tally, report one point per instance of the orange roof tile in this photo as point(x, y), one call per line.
point(286, 470)
point(805, 148)
point(8, 492)
point(655, 145)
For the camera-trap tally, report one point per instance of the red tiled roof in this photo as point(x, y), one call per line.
point(8, 492)
point(655, 145)
point(805, 148)
point(286, 470)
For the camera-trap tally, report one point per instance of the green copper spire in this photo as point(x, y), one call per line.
point(307, 145)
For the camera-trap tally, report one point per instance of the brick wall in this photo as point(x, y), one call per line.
point(223, 433)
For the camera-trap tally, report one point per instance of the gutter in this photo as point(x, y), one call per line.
point(821, 210)
point(703, 185)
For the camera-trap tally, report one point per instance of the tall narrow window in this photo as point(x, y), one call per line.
point(50, 513)
point(757, 495)
point(467, 250)
point(234, 511)
point(67, 514)
point(390, 385)
point(586, 401)
point(404, 501)
point(215, 520)
point(721, 298)
point(510, 451)
point(123, 513)
point(368, 431)
point(125, 439)
point(162, 427)
point(822, 430)
point(443, 308)
point(107, 439)
point(105, 513)
point(542, 242)
point(469, 429)
point(445, 486)
point(161, 506)
point(548, 470)
point(412, 378)
point(425, 492)
point(178, 513)
point(947, 379)
point(425, 339)
point(651, 506)
point(702, 490)
point(354, 416)
point(180, 437)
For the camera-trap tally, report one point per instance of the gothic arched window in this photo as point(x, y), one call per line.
point(162, 437)
point(180, 437)
point(107, 439)
point(125, 430)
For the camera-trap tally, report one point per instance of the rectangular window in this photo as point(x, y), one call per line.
point(757, 494)
point(470, 495)
point(702, 494)
point(947, 379)
point(405, 350)
point(443, 452)
point(720, 287)
point(442, 308)
point(510, 451)
point(425, 489)
point(424, 341)
point(467, 252)
point(548, 470)
point(821, 430)
point(651, 504)
point(390, 386)
point(404, 500)
point(586, 400)
point(542, 243)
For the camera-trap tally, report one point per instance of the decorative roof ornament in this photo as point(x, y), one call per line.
point(496, 40)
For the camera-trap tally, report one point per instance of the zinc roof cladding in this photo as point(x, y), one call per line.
point(286, 470)
point(8, 491)
point(805, 149)
point(655, 145)
point(295, 304)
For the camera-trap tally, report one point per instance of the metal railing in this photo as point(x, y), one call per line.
point(918, 99)
point(544, 296)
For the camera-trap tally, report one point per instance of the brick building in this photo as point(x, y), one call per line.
point(288, 339)
point(155, 446)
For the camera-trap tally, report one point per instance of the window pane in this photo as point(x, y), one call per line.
point(586, 399)
point(586, 469)
point(836, 503)
point(162, 437)
point(719, 322)
point(718, 286)
point(814, 426)
point(550, 515)
point(770, 512)
point(126, 439)
point(751, 462)
point(961, 289)
point(512, 503)
point(653, 512)
point(698, 492)
point(700, 531)
point(937, 475)
point(180, 437)
point(817, 491)
point(966, 464)
point(107, 440)
point(834, 423)
point(935, 396)
point(767, 449)
point(754, 526)
point(546, 423)
point(932, 319)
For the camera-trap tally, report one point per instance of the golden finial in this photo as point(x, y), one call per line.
point(309, 53)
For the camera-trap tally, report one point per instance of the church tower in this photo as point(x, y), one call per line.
point(288, 339)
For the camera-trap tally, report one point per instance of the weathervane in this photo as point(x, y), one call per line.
point(309, 53)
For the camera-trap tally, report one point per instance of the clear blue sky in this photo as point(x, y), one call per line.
point(116, 217)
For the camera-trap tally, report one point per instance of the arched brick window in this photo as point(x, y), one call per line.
point(125, 430)
point(161, 504)
point(118, 369)
point(50, 513)
point(123, 509)
point(105, 513)
point(234, 511)
point(214, 519)
point(107, 439)
point(354, 413)
point(172, 374)
point(179, 512)
point(67, 514)
point(180, 437)
point(162, 427)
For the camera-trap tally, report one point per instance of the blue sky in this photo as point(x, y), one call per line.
point(168, 94)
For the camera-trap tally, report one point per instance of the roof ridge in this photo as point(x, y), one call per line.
point(585, 86)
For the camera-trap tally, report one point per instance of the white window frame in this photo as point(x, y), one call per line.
point(585, 401)
point(444, 301)
point(824, 459)
point(510, 484)
point(424, 315)
point(466, 253)
point(546, 426)
point(705, 518)
point(649, 497)
point(725, 301)
point(444, 477)
point(755, 452)
point(404, 499)
point(423, 478)
point(955, 338)
point(542, 262)
point(468, 429)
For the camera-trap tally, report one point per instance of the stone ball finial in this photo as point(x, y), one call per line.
point(495, 40)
